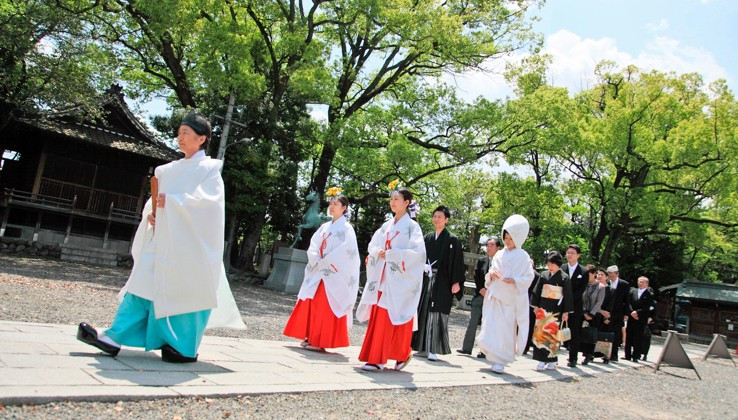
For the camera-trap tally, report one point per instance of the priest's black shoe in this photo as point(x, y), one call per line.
point(572, 364)
point(481, 356)
point(462, 351)
point(87, 334)
point(170, 355)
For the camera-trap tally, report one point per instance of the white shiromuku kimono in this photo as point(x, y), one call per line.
point(179, 264)
point(338, 267)
point(402, 268)
point(505, 307)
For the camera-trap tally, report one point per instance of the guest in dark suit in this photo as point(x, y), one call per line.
point(640, 302)
point(650, 327)
point(578, 279)
point(480, 271)
point(620, 289)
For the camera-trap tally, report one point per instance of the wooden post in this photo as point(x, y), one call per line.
point(6, 214)
point(107, 226)
point(39, 170)
point(38, 226)
point(71, 218)
point(141, 195)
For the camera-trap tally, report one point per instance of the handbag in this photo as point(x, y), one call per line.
point(604, 343)
point(603, 347)
point(564, 333)
point(608, 337)
point(588, 334)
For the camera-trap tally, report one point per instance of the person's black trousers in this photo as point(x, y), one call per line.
point(617, 329)
point(634, 339)
point(575, 325)
point(474, 320)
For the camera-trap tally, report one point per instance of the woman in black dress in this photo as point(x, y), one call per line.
point(551, 301)
point(592, 298)
point(604, 327)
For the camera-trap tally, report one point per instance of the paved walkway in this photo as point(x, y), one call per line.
point(45, 362)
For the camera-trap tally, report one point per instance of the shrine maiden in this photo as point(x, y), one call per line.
point(323, 313)
point(394, 277)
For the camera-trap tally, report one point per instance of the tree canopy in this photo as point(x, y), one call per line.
point(639, 170)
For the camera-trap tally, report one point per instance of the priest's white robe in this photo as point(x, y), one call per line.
point(338, 267)
point(179, 264)
point(402, 268)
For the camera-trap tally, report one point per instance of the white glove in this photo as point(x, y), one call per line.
point(428, 269)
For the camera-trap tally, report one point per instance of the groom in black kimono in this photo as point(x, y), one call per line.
point(443, 278)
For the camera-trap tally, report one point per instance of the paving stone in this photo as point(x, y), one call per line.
point(147, 378)
point(45, 362)
point(14, 376)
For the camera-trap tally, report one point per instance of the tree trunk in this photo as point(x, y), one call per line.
point(612, 239)
point(226, 128)
point(474, 239)
point(595, 245)
point(324, 168)
point(231, 236)
point(5, 114)
point(250, 239)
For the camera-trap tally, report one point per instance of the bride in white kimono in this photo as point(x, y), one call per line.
point(505, 315)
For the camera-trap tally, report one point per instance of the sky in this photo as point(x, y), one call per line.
point(667, 35)
point(682, 36)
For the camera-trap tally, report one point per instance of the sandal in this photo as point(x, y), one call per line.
point(372, 367)
point(402, 365)
point(313, 348)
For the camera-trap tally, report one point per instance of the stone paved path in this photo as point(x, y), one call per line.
point(45, 362)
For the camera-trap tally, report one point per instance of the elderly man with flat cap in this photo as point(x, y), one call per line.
point(620, 305)
point(177, 286)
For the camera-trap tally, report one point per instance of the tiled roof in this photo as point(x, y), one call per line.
point(107, 137)
point(123, 130)
point(716, 292)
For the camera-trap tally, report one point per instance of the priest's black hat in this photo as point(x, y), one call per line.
point(198, 123)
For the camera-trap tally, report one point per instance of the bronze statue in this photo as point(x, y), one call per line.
point(312, 219)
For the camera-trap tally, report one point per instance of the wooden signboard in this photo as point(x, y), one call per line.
point(673, 354)
point(718, 349)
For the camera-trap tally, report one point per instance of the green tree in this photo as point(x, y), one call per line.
point(386, 45)
point(45, 63)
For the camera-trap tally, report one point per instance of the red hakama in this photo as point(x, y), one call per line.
point(314, 319)
point(385, 341)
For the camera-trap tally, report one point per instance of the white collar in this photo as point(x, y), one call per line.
point(337, 224)
point(200, 154)
point(572, 267)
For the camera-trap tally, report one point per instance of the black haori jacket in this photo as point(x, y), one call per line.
point(449, 257)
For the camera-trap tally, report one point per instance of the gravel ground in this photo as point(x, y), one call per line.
point(39, 290)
